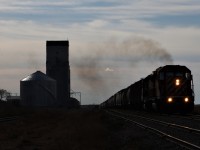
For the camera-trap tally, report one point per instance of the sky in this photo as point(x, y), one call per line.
point(112, 43)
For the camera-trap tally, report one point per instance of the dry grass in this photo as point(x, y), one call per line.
point(55, 129)
point(84, 129)
point(11, 110)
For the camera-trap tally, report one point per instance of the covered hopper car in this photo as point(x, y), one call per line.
point(168, 89)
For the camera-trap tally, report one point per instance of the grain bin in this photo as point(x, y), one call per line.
point(38, 90)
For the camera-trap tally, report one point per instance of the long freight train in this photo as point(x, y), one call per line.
point(168, 89)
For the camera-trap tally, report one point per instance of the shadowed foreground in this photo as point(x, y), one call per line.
point(84, 129)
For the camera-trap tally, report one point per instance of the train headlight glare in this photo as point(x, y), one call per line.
point(169, 100)
point(186, 99)
point(177, 82)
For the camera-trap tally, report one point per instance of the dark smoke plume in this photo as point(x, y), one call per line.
point(135, 50)
point(103, 59)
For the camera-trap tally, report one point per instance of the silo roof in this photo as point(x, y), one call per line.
point(38, 75)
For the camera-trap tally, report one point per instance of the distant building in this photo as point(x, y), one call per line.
point(57, 67)
point(14, 100)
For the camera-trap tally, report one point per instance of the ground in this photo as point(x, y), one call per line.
point(74, 129)
point(197, 109)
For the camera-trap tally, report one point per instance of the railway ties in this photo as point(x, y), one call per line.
point(188, 117)
point(197, 131)
point(190, 121)
point(193, 117)
point(175, 133)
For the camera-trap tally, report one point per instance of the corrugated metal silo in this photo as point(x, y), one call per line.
point(38, 89)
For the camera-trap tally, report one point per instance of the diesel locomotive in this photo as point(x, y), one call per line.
point(168, 89)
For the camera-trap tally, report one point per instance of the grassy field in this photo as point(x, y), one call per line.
point(54, 129)
point(78, 129)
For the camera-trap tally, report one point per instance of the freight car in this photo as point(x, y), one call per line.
point(168, 89)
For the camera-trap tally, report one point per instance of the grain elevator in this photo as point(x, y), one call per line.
point(57, 67)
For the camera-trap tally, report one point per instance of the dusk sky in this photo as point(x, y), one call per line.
point(112, 43)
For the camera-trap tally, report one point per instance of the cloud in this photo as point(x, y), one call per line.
point(97, 24)
point(88, 9)
point(109, 69)
point(178, 40)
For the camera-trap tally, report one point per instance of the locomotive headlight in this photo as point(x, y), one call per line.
point(177, 82)
point(169, 100)
point(186, 99)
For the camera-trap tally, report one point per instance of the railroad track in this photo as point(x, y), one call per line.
point(173, 118)
point(188, 116)
point(197, 131)
point(172, 132)
point(6, 119)
point(192, 117)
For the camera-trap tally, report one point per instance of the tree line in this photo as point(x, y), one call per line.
point(4, 94)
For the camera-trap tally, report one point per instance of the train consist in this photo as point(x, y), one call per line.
point(168, 89)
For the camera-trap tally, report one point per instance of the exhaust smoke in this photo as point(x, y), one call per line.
point(100, 66)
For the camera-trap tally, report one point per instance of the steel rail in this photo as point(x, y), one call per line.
point(171, 138)
point(197, 131)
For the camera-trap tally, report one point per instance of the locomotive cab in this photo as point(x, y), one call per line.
point(176, 90)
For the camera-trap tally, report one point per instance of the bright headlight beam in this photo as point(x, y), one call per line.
point(170, 100)
point(186, 99)
point(177, 82)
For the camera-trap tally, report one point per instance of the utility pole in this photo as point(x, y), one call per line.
point(76, 93)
